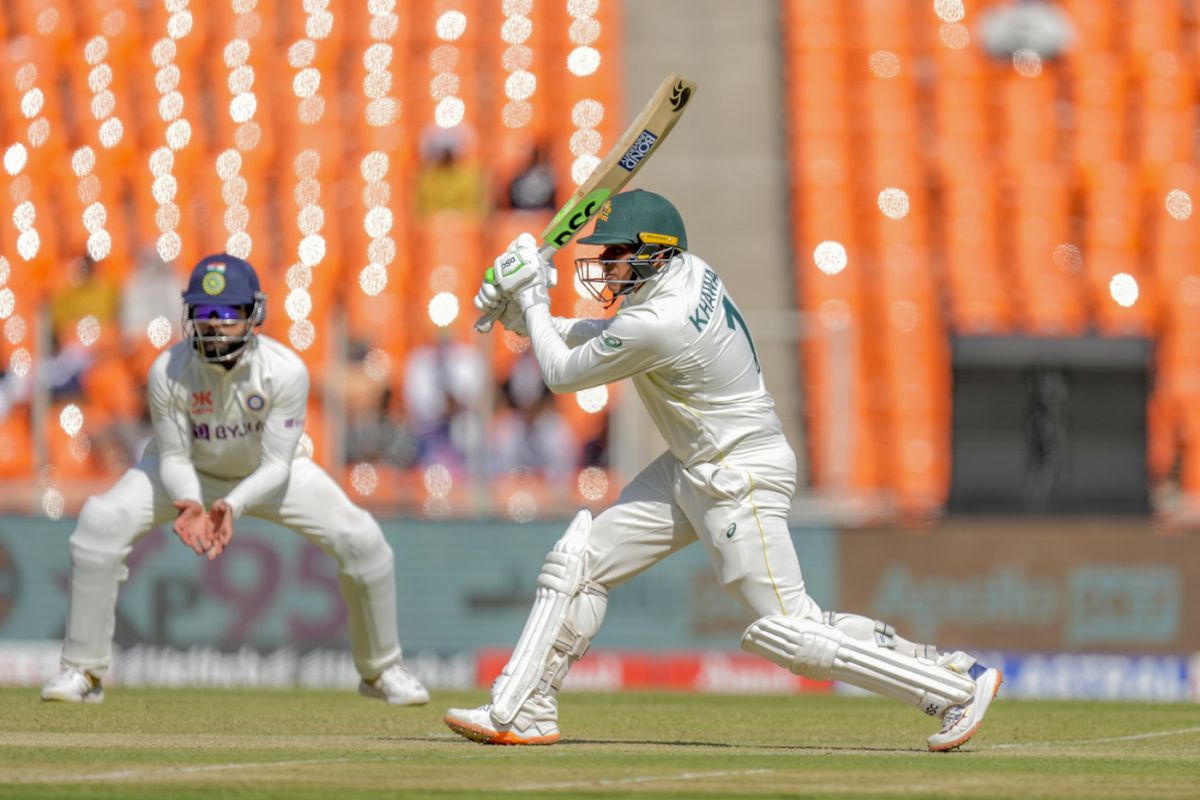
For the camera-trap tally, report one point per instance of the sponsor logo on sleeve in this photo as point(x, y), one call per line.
point(611, 341)
point(642, 145)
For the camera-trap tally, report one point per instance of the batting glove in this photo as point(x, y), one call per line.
point(522, 274)
point(491, 301)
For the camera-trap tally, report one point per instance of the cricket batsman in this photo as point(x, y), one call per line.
point(227, 406)
point(726, 479)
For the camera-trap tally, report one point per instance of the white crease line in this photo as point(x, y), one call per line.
point(140, 773)
point(683, 776)
point(1066, 743)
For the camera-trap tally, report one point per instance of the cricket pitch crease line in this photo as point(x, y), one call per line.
point(165, 771)
point(683, 776)
point(1133, 737)
point(149, 773)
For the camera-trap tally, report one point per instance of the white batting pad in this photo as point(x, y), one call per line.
point(547, 642)
point(821, 652)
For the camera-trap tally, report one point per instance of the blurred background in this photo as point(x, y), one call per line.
point(961, 232)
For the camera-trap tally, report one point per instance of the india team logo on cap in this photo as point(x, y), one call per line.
point(255, 402)
point(213, 281)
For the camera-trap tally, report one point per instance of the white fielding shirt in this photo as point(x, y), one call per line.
point(686, 347)
point(239, 424)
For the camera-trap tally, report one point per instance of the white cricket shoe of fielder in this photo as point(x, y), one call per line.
point(961, 722)
point(397, 686)
point(74, 685)
point(536, 723)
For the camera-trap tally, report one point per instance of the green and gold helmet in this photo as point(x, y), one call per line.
point(652, 229)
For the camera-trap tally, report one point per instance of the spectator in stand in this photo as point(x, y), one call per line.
point(533, 188)
point(1033, 25)
point(529, 435)
point(447, 180)
point(374, 431)
point(88, 293)
point(443, 383)
point(151, 291)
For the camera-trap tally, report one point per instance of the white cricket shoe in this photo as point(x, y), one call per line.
point(397, 686)
point(74, 685)
point(960, 723)
point(536, 723)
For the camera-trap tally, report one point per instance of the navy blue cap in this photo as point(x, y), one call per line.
point(222, 279)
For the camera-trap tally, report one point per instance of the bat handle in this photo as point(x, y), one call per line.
point(484, 323)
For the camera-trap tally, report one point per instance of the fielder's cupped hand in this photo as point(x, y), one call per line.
point(220, 517)
point(521, 274)
point(192, 526)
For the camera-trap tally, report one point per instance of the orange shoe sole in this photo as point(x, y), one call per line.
point(485, 736)
point(966, 737)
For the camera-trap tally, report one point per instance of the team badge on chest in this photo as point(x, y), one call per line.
point(256, 402)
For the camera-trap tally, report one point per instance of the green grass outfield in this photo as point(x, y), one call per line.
point(307, 744)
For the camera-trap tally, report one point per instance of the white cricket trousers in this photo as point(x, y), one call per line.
point(310, 503)
point(737, 509)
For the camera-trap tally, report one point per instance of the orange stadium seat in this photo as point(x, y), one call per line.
point(1165, 129)
point(1152, 33)
point(812, 25)
point(1096, 24)
point(16, 436)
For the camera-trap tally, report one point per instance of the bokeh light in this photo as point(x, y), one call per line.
point(1124, 289)
point(593, 484)
point(14, 158)
point(949, 10)
point(451, 25)
point(592, 400)
point(1068, 258)
point(884, 64)
point(364, 479)
point(19, 362)
point(1027, 63)
point(830, 257)
point(522, 507)
point(302, 333)
point(438, 481)
point(70, 419)
point(583, 61)
point(443, 309)
point(159, 332)
point(893, 203)
point(1179, 204)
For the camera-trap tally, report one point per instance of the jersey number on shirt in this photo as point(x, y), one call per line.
point(732, 315)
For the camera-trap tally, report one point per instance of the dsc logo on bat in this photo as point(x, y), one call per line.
point(638, 150)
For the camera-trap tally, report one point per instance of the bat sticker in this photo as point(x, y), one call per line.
point(642, 145)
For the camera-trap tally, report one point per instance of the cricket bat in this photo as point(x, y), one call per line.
point(641, 140)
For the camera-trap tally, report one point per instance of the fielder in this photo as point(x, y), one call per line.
point(228, 405)
point(727, 479)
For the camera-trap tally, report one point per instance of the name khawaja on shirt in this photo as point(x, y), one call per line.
point(708, 300)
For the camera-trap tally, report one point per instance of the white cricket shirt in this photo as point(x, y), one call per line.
point(242, 423)
point(688, 351)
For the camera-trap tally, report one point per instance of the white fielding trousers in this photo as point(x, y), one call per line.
point(738, 510)
point(310, 503)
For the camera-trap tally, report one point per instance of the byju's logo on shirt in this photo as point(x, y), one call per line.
point(202, 402)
